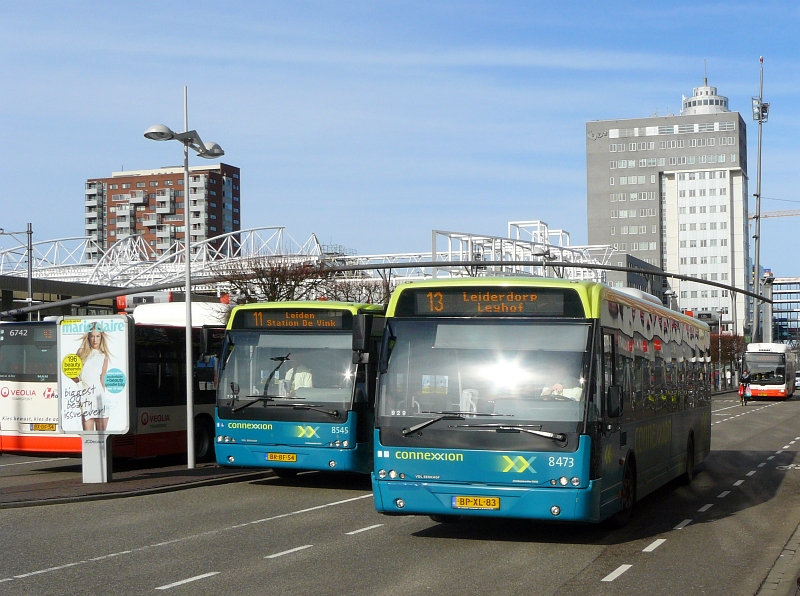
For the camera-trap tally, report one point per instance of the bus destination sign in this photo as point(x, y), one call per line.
point(293, 319)
point(490, 301)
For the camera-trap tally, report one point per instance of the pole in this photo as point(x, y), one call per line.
point(188, 292)
point(756, 266)
point(30, 269)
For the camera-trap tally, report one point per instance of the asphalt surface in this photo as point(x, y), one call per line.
point(733, 531)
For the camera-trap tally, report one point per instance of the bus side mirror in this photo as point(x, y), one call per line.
point(614, 402)
point(362, 330)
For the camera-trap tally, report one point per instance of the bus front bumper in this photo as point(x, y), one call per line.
point(356, 459)
point(541, 503)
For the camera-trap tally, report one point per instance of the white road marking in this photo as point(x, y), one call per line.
point(778, 452)
point(786, 446)
point(186, 581)
point(792, 442)
point(771, 457)
point(36, 461)
point(723, 494)
point(750, 473)
point(683, 524)
point(288, 552)
point(705, 508)
point(654, 545)
point(761, 465)
point(616, 573)
point(363, 529)
point(191, 537)
point(738, 482)
point(797, 438)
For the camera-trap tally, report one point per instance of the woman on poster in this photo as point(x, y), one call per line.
point(94, 355)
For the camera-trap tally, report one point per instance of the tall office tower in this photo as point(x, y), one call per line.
point(150, 203)
point(672, 191)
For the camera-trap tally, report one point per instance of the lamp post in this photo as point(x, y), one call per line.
point(719, 346)
point(760, 115)
point(190, 139)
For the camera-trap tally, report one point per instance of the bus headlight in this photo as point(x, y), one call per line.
point(345, 443)
point(381, 474)
point(575, 481)
point(392, 474)
point(400, 503)
point(331, 464)
point(555, 510)
point(230, 459)
point(563, 481)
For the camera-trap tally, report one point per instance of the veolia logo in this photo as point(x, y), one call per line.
point(5, 392)
point(148, 418)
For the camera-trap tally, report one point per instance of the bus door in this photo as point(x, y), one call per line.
point(614, 441)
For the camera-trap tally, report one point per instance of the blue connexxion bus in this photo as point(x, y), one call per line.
point(296, 386)
point(535, 398)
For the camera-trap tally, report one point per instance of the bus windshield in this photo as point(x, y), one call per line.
point(766, 368)
point(513, 371)
point(278, 371)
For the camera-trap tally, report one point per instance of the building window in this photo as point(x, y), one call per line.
point(684, 294)
point(683, 262)
point(692, 243)
point(694, 293)
point(613, 231)
point(154, 183)
point(126, 185)
point(613, 214)
point(693, 260)
point(611, 181)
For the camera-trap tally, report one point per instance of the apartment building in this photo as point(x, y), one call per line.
point(672, 191)
point(151, 204)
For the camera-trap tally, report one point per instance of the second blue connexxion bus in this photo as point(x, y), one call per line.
point(296, 386)
point(538, 399)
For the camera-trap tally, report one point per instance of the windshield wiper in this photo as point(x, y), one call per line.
point(263, 398)
point(517, 428)
point(314, 407)
point(446, 415)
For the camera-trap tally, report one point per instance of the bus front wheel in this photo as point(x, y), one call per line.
point(203, 440)
point(627, 496)
point(688, 475)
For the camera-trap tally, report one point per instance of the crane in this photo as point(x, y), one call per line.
point(789, 213)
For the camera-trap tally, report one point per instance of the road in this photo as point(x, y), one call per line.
point(319, 534)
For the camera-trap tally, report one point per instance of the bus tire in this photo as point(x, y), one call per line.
point(284, 472)
point(203, 440)
point(627, 496)
point(688, 475)
point(445, 519)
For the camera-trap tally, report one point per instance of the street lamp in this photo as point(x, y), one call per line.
point(190, 139)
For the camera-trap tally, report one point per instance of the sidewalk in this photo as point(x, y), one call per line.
point(16, 491)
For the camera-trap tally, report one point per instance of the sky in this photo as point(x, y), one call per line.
point(372, 123)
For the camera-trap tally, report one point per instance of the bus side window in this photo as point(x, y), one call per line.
point(609, 366)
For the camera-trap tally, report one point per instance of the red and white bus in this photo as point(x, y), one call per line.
point(29, 400)
point(772, 370)
point(29, 390)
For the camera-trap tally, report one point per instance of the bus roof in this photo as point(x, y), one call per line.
point(173, 314)
point(774, 348)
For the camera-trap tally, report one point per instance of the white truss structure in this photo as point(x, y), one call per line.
point(132, 263)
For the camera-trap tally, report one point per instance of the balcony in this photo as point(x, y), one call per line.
point(138, 197)
point(151, 220)
point(164, 207)
point(91, 224)
point(165, 232)
point(91, 201)
point(162, 244)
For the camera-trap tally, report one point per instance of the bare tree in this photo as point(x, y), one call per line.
point(274, 279)
point(357, 288)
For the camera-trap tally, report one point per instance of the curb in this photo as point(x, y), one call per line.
point(781, 579)
point(243, 477)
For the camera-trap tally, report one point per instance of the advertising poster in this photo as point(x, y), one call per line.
point(94, 376)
